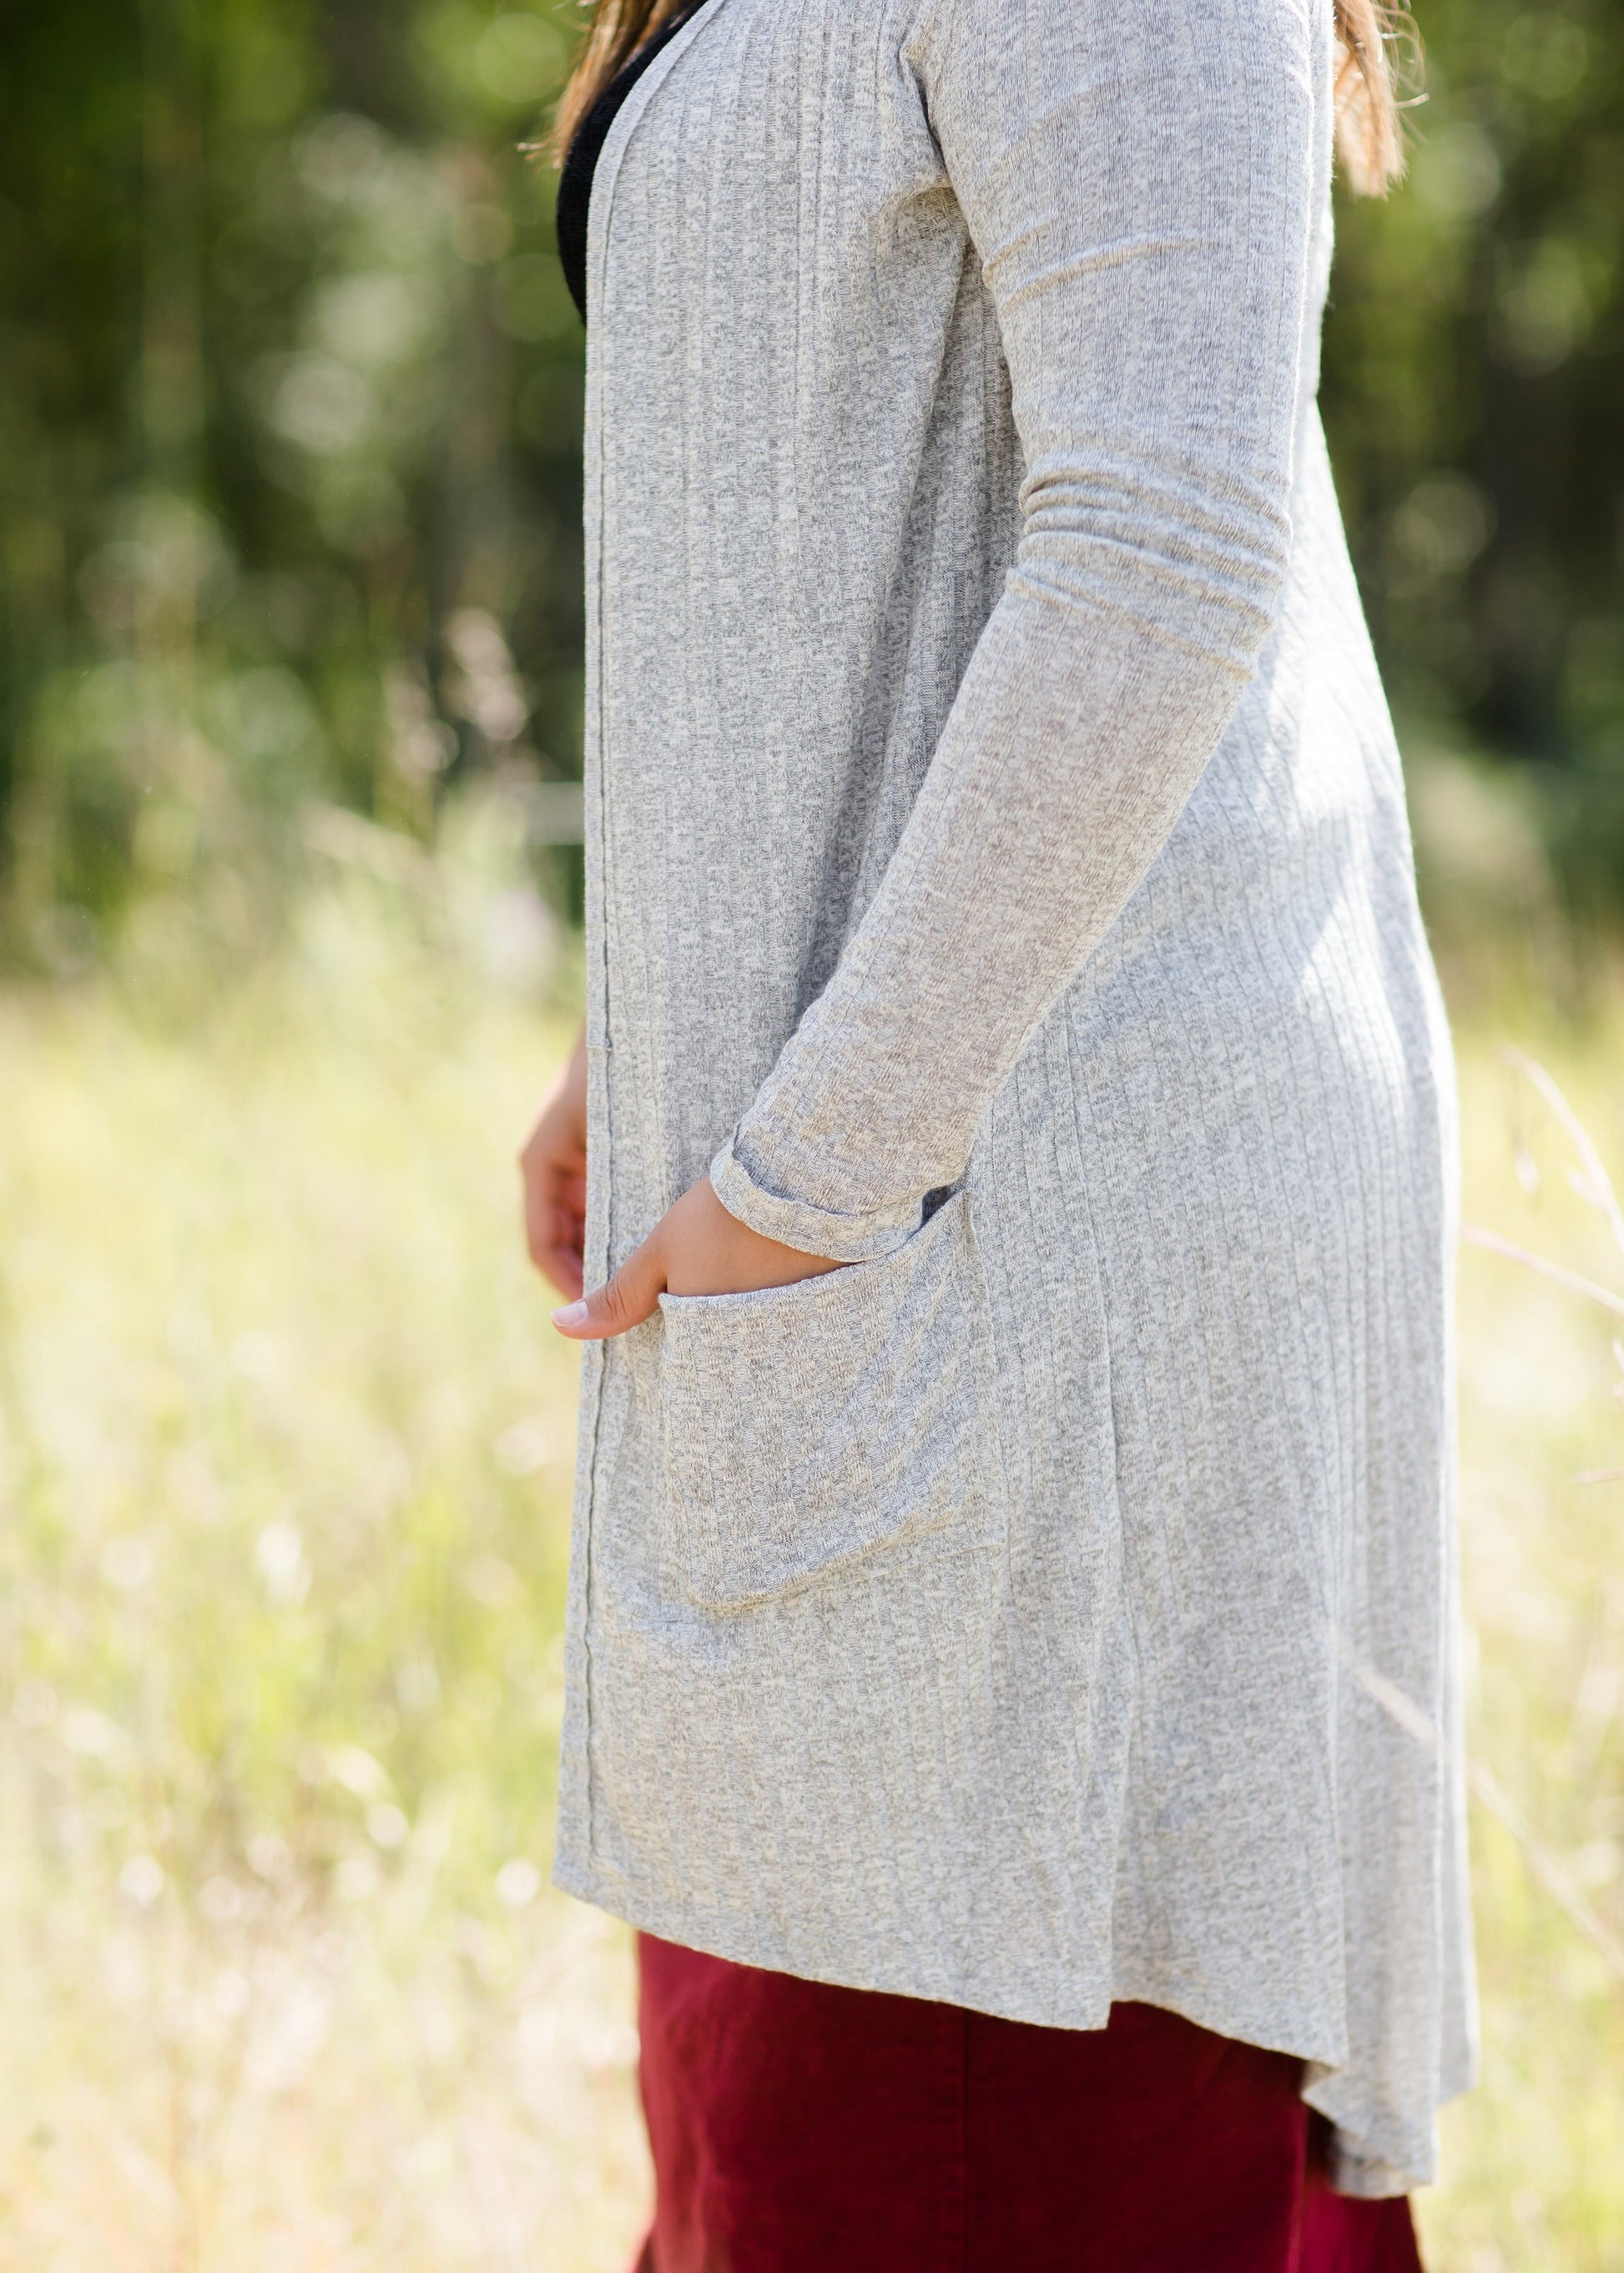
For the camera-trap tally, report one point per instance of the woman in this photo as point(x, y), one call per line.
point(1008, 1160)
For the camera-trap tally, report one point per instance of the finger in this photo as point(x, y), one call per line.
point(564, 1252)
point(626, 1300)
point(553, 1236)
point(562, 1266)
point(554, 1212)
point(547, 1226)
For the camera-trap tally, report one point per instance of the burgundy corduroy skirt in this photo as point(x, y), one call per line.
point(800, 2128)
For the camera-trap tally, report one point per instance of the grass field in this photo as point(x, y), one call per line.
point(285, 1447)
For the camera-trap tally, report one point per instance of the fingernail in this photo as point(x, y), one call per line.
point(572, 1315)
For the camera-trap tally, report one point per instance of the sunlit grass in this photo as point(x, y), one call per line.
point(285, 1448)
point(1535, 2157)
point(287, 1445)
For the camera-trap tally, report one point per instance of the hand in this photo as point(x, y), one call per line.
point(697, 1247)
point(554, 1167)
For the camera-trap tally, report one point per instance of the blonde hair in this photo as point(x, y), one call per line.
point(617, 29)
point(1369, 138)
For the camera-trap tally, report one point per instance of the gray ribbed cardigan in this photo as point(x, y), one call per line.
point(989, 788)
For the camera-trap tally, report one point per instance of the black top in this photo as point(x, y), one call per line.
point(575, 189)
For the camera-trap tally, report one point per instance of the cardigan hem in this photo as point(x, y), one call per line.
point(1355, 2169)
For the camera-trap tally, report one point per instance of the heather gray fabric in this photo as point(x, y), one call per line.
point(988, 787)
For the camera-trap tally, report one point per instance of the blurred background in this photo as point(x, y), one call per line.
point(289, 733)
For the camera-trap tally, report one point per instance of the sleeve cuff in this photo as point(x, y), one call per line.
point(797, 1223)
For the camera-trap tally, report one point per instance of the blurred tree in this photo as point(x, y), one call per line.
point(290, 424)
point(289, 431)
point(1474, 379)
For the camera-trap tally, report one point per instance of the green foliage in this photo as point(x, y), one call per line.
point(1474, 371)
point(290, 427)
point(289, 434)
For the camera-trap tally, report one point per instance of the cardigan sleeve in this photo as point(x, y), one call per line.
point(1137, 178)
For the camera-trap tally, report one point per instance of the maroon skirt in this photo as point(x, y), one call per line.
point(799, 2128)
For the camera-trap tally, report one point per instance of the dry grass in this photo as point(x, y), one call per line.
point(1535, 2157)
point(284, 1450)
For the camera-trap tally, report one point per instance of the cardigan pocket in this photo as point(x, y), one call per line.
point(808, 1426)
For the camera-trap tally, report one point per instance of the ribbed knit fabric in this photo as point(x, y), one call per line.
point(988, 785)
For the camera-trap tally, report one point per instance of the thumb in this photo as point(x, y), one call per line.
point(625, 1301)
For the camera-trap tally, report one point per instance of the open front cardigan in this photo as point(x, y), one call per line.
point(989, 789)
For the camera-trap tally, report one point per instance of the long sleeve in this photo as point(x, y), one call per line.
point(1138, 182)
